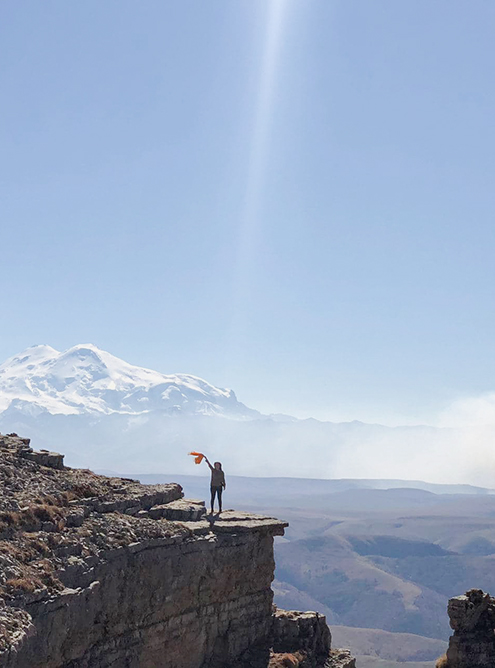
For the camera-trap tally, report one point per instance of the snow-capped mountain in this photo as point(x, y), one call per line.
point(104, 413)
point(86, 380)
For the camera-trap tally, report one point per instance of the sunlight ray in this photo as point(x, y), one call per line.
point(250, 217)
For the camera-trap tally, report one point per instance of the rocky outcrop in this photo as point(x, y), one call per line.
point(303, 639)
point(305, 632)
point(43, 457)
point(340, 658)
point(104, 572)
point(472, 618)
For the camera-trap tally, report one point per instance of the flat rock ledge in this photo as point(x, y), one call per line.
point(22, 448)
point(234, 522)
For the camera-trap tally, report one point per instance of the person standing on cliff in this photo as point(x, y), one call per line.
point(217, 484)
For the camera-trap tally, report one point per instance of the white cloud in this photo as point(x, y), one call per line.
point(470, 412)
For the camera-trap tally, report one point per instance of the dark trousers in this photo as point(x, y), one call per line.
point(218, 492)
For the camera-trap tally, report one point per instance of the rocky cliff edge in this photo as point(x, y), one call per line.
point(98, 571)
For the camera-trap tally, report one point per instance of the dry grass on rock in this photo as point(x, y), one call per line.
point(286, 660)
point(52, 523)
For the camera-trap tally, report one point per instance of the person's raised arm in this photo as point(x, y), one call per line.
point(208, 462)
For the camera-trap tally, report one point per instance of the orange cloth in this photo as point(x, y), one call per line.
point(198, 457)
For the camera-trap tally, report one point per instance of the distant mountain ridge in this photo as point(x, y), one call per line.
point(87, 380)
point(105, 413)
point(268, 492)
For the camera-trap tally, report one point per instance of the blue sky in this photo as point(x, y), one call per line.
point(292, 198)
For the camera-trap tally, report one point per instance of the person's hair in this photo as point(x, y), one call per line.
point(219, 465)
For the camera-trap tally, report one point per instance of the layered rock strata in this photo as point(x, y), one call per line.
point(472, 618)
point(99, 572)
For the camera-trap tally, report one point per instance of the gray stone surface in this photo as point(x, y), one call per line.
point(302, 631)
point(472, 618)
point(340, 658)
point(42, 457)
point(182, 510)
point(303, 639)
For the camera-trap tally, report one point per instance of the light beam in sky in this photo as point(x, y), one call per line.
point(249, 220)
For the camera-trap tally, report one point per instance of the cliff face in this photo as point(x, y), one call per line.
point(472, 618)
point(100, 572)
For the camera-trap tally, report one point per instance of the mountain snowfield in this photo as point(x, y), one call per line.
point(85, 380)
point(104, 413)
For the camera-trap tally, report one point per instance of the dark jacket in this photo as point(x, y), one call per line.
point(217, 478)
